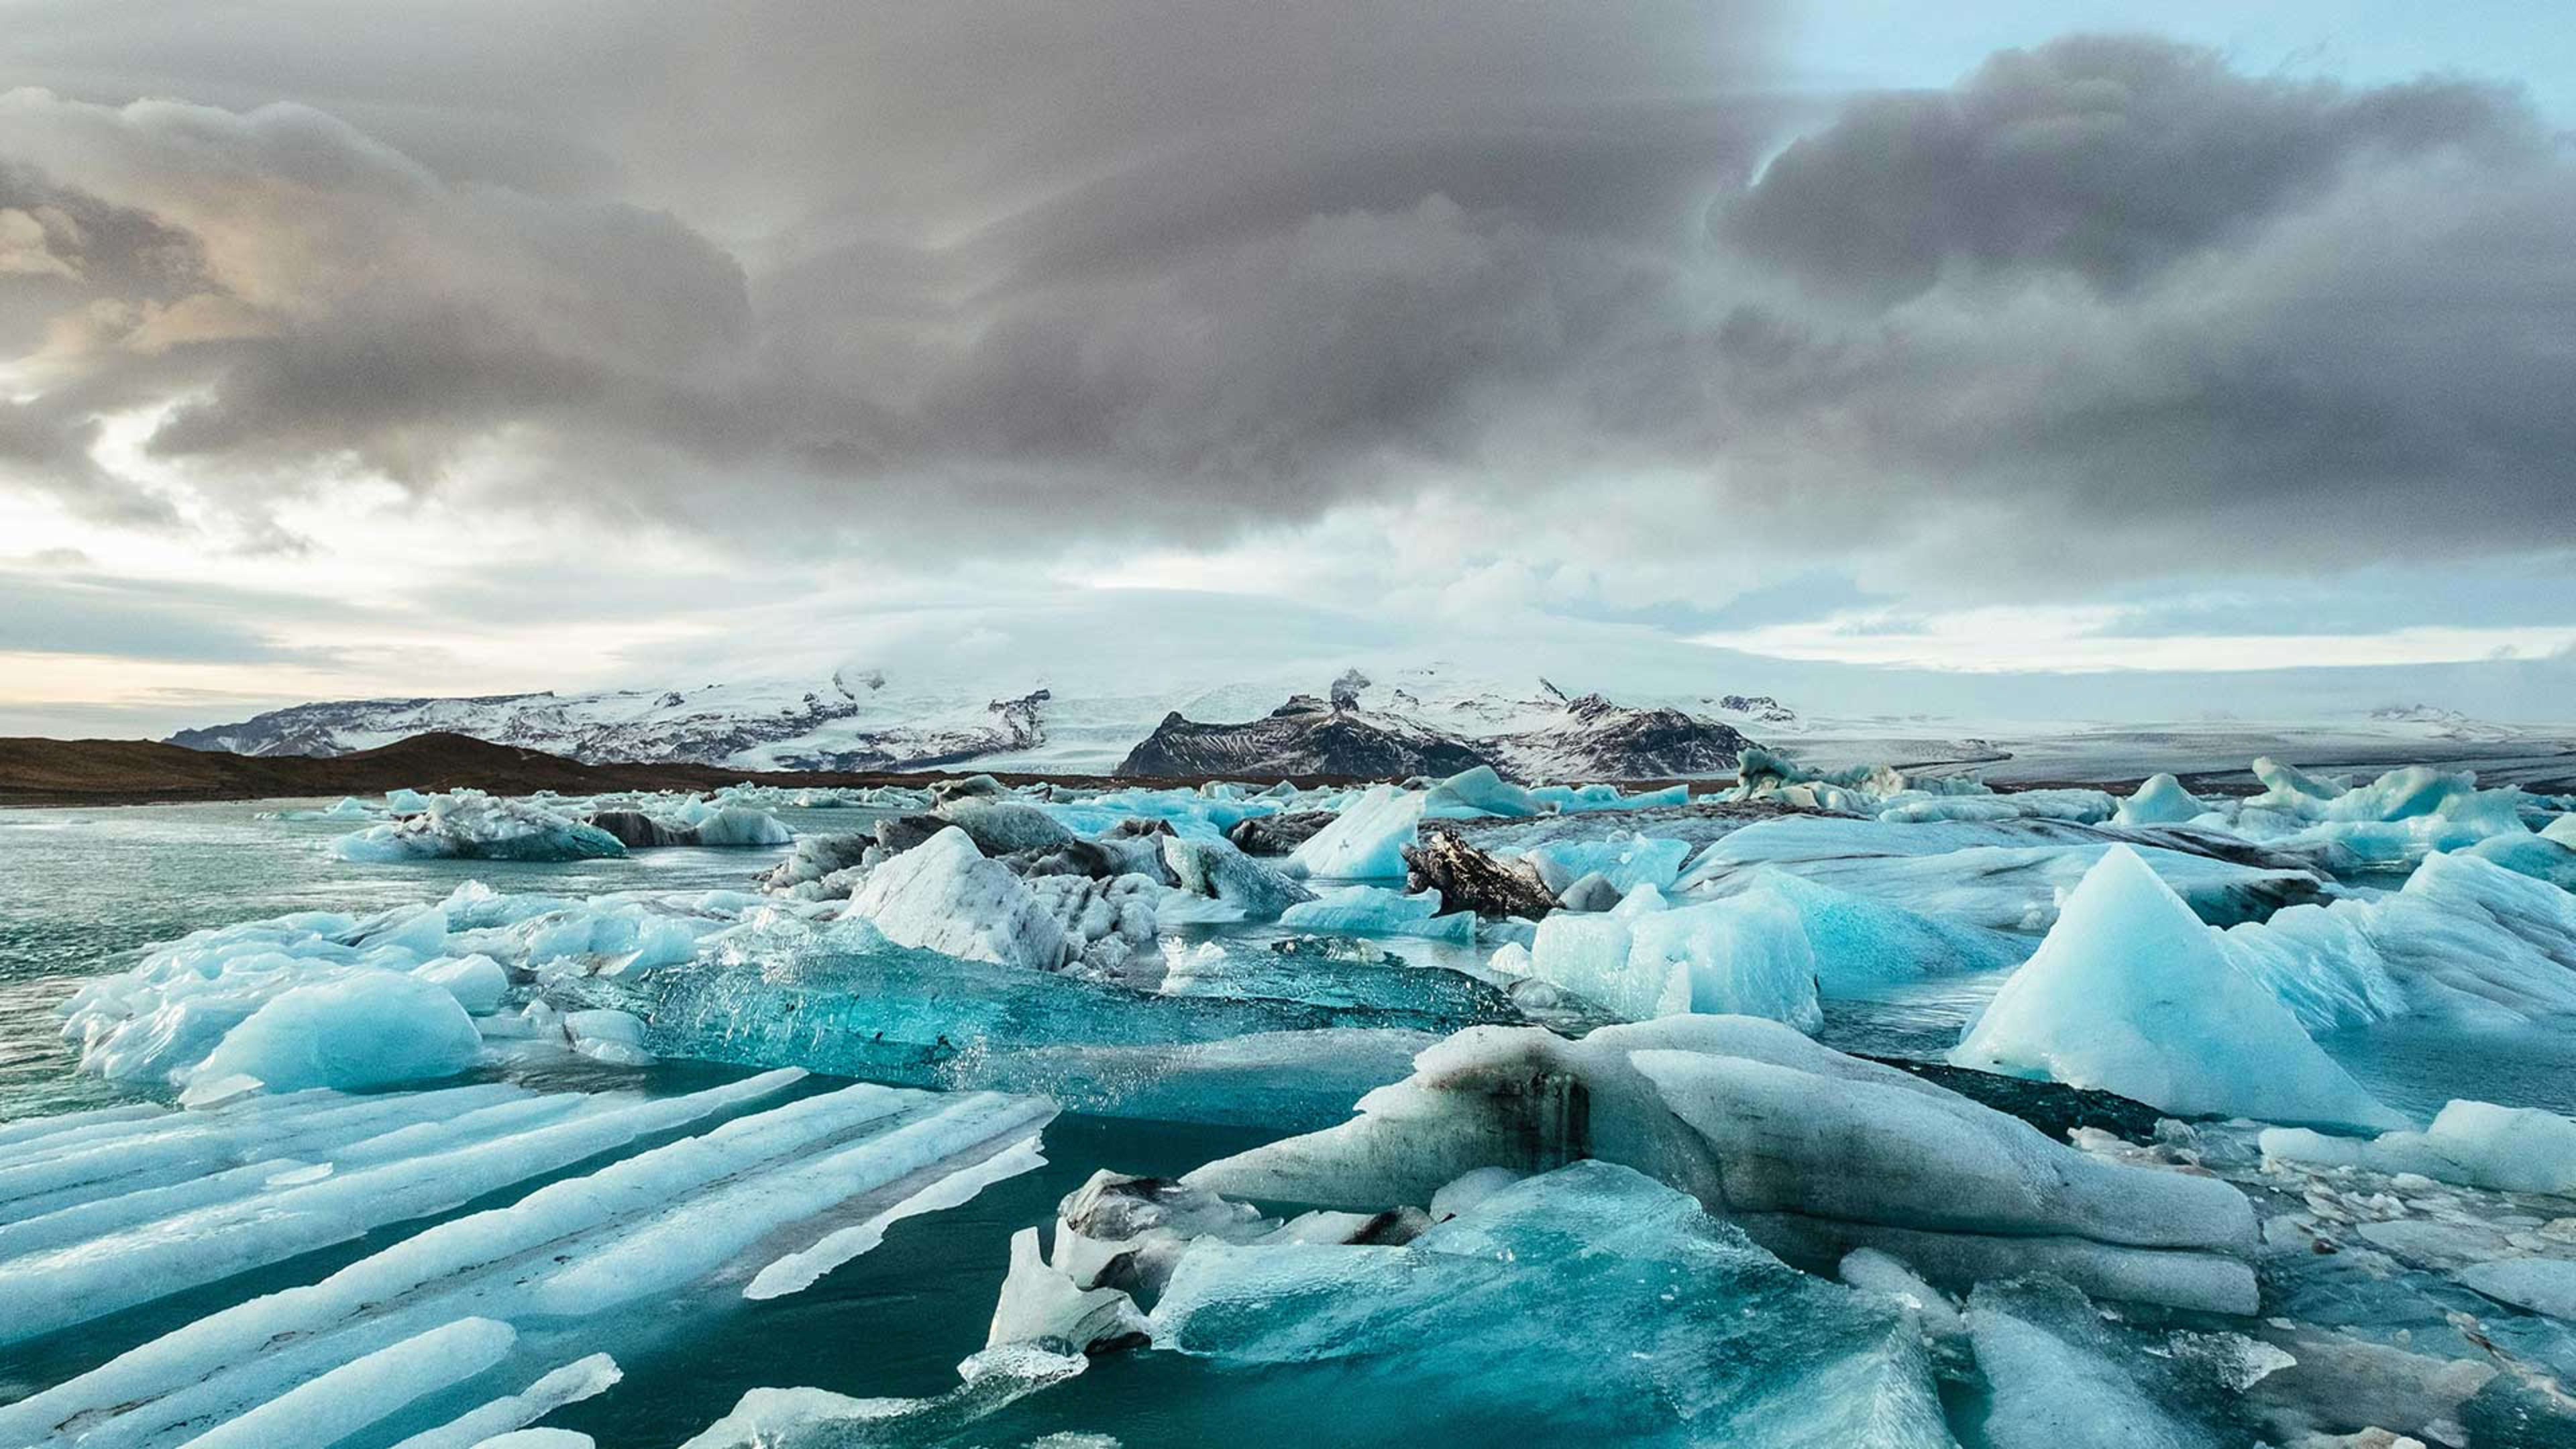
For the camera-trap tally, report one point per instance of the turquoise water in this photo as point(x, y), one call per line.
point(82, 890)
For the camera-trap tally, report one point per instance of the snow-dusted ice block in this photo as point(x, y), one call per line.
point(2132, 994)
point(2508, 1149)
point(1769, 1128)
point(468, 824)
point(943, 895)
point(1377, 911)
point(611, 1261)
point(1366, 840)
point(1587, 1305)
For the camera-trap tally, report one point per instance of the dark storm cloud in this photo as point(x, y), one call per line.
point(1164, 267)
point(2106, 157)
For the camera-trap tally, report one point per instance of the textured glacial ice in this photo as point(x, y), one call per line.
point(1589, 1304)
point(468, 824)
point(2132, 994)
point(1227, 1034)
point(2057, 1379)
point(429, 1331)
point(1997, 875)
point(2465, 939)
point(1813, 1152)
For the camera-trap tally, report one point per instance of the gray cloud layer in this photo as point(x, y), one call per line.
point(1151, 267)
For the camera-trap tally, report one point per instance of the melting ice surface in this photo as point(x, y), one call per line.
point(474, 1141)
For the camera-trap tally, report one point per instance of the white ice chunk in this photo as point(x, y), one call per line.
point(943, 895)
point(2131, 993)
point(2543, 1285)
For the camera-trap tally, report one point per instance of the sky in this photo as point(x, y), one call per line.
point(2036, 360)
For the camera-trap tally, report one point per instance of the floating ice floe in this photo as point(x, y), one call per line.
point(2508, 1149)
point(1223, 1034)
point(1215, 869)
point(470, 825)
point(1377, 911)
point(1814, 1153)
point(363, 1029)
point(478, 1324)
point(2131, 993)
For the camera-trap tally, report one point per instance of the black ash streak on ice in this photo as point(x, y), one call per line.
point(1201, 269)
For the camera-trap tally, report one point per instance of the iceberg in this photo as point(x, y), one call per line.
point(2132, 994)
point(1625, 861)
point(1366, 840)
point(1745, 956)
point(1813, 1153)
point(1478, 793)
point(943, 895)
point(470, 825)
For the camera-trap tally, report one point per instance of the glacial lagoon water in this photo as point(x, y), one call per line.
point(82, 890)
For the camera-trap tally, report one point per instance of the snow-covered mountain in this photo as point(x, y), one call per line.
point(854, 721)
point(1365, 730)
point(1415, 720)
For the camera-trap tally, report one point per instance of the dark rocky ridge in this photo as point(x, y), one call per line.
point(1592, 739)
